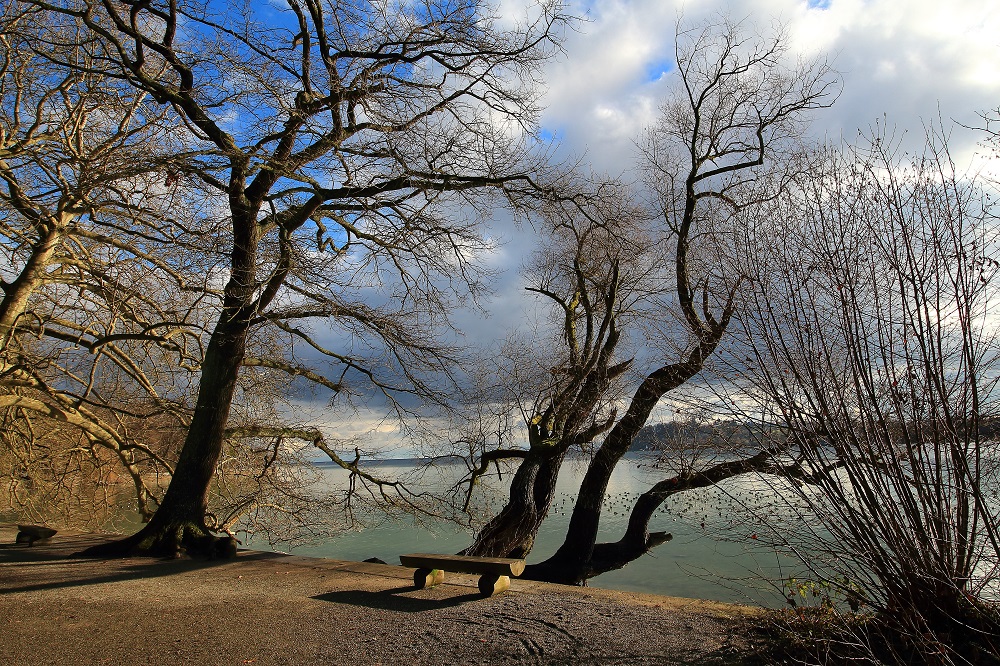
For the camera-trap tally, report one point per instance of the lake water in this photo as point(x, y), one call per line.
point(717, 551)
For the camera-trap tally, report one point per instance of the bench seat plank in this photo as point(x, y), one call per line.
point(498, 566)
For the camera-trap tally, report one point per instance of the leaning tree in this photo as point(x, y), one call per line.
point(613, 271)
point(350, 149)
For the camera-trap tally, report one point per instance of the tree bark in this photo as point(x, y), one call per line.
point(17, 294)
point(571, 563)
point(512, 532)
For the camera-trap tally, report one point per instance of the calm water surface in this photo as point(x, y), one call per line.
point(718, 551)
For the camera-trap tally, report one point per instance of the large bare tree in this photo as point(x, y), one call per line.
point(350, 149)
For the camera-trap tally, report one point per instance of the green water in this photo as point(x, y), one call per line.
point(718, 551)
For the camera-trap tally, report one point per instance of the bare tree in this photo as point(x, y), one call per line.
point(340, 142)
point(588, 270)
point(93, 313)
point(873, 337)
point(734, 114)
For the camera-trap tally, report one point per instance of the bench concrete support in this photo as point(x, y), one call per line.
point(427, 578)
point(32, 534)
point(490, 584)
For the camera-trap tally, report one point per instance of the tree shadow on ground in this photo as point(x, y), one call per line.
point(121, 570)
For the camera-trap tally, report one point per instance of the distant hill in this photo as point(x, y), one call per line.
point(730, 434)
point(691, 434)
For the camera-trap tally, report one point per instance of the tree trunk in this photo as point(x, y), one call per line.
point(17, 294)
point(572, 563)
point(178, 526)
point(512, 532)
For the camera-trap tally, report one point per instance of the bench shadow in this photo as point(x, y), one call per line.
point(393, 599)
point(58, 549)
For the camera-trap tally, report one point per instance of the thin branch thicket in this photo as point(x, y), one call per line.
point(873, 344)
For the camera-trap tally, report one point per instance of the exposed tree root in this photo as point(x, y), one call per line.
point(174, 540)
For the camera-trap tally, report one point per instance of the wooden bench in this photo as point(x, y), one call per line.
point(32, 534)
point(494, 572)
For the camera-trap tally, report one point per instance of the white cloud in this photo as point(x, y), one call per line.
point(901, 62)
point(900, 59)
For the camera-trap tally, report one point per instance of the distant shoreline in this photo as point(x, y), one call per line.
point(455, 460)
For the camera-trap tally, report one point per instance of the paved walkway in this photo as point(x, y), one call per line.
point(266, 608)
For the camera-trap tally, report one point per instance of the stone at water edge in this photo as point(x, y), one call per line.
point(32, 534)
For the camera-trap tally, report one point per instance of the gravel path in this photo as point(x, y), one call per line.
point(265, 608)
